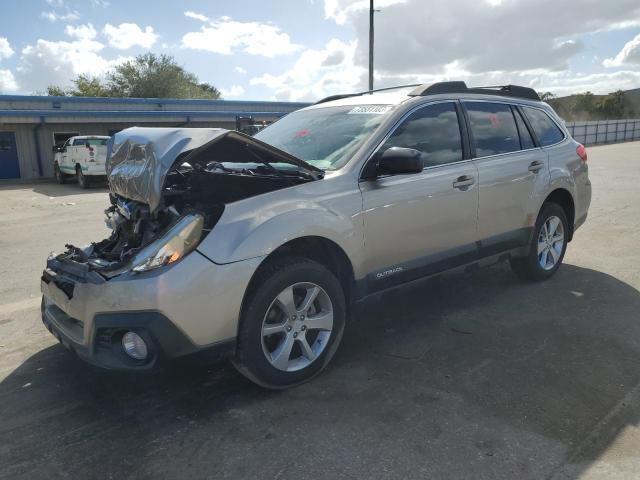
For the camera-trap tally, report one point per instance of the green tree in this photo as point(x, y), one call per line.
point(584, 106)
point(612, 106)
point(153, 76)
point(86, 86)
point(55, 91)
point(146, 76)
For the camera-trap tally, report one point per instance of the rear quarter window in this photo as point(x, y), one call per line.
point(545, 129)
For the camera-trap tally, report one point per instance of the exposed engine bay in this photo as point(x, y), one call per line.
point(169, 188)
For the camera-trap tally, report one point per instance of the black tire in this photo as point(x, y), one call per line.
point(529, 267)
point(83, 180)
point(270, 281)
point(61, 178)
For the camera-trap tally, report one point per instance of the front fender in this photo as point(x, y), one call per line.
point(256, 227)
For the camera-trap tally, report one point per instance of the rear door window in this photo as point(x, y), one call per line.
point(493, 128)
point(433, 130)
point(545, 129)
point(526, 141)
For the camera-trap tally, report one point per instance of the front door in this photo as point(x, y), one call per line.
point(418, 224)
point(9, 166)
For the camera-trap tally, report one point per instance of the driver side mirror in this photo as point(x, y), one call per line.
point(398, 160)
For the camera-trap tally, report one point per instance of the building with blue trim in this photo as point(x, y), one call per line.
point(31, 125)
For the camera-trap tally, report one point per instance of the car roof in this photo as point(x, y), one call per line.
point(455, 89)
point(393, 96)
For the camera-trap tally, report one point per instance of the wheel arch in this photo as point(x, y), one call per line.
point(564, 198)
point(319, 249)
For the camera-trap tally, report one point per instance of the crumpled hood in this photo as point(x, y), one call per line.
point(139, 158)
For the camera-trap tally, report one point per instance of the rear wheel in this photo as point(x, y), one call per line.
point(83, 180)
point(292, 323)
point(548, 245)
point(61, 178)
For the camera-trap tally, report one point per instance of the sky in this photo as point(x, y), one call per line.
point(302, 50)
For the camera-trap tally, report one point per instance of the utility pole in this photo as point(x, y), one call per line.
point(371, 11)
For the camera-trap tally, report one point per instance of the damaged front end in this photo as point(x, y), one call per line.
point(169, 188)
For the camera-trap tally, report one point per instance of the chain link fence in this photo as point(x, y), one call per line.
point(599, 132)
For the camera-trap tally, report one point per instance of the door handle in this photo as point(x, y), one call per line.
point(463, 181)
point(536, 166)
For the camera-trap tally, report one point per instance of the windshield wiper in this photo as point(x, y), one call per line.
point(299, 170)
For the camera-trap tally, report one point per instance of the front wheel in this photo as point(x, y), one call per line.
point(83, 180)
point(61, 178)
point(292, 323)
point(548, 245)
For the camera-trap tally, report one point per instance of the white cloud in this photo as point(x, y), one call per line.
point(558, 82)
point(317, 73)
point(69, 16)
point(226, 36)
point(599, 83)
point(340, 10)
point(7, 81)
point(57, 63)
point(234, 91)
point(196, 16)
point(629, 55)
point(510, 35)
point(81, 32)
point(314, 76)
point(5, 48)
point(240, 70)
point(56, 3)
point(127, 35)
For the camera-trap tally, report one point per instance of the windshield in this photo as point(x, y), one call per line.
point(95, 142)
point(325, 137)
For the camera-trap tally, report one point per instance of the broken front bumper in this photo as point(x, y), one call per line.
point(184, 308)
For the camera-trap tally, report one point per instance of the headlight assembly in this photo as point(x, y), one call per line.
point(173, 245)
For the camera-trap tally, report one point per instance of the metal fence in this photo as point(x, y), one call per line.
point(599, 132)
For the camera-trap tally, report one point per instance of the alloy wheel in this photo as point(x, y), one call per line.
point(297, 326)
point(550, 243)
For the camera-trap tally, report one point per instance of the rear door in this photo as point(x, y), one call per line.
point(79, 152)
point(511, 169)
point(418, 224)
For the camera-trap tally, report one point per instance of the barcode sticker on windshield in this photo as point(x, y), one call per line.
point(370, 109)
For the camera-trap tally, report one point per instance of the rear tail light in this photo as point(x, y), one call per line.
point(582, 152)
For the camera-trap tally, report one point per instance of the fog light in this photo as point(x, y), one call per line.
point(134, 346)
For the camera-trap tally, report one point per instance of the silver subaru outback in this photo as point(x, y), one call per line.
point(258, 249)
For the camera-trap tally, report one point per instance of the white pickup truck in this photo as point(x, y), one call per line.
point(83, 157)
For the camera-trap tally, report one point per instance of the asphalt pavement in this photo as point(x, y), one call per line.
point(469, 376)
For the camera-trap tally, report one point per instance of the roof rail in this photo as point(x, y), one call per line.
point(461, 87)
point(347, 95)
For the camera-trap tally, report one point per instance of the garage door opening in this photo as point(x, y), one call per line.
point(9, 166)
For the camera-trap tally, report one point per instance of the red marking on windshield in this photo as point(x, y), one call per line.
point(303, 133)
